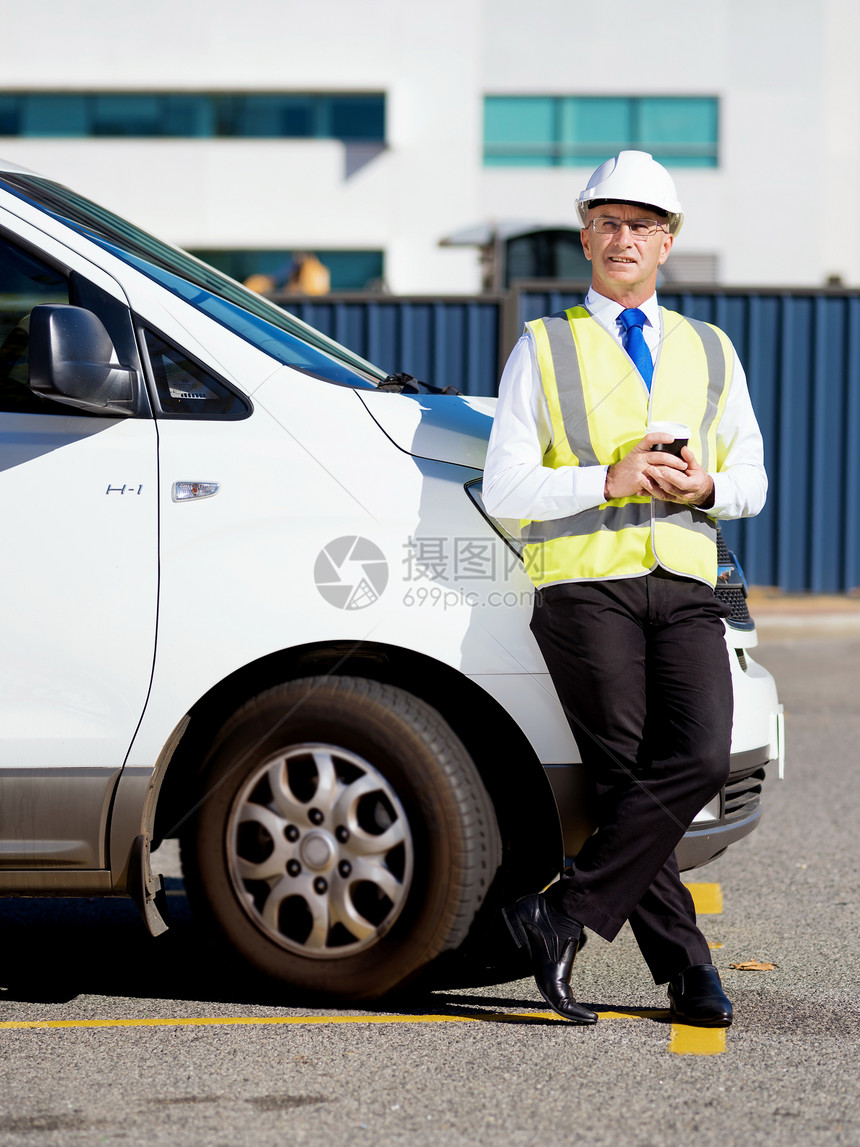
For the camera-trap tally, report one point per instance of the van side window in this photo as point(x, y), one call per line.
point(185, 388)
point(25, 282)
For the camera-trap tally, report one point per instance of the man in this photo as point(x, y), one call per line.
point(621, 545)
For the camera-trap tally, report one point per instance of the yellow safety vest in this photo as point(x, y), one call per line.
point(599, 408)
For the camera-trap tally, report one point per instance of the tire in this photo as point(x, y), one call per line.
point(344, 837)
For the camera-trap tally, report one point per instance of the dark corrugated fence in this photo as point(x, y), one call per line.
point(446, 341)
point(801, 351)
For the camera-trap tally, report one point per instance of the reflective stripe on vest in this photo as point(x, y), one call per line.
point(599, 408)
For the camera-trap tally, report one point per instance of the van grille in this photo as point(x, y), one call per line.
point(742, 796)
point(735, 599)
point(730, 588)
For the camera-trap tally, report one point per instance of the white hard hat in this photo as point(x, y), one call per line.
point(633, 177)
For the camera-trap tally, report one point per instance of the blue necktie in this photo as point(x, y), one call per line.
point(634, 343)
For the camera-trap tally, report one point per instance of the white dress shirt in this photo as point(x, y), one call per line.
point(518, 485)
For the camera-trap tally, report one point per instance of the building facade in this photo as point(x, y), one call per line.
point(373, 133)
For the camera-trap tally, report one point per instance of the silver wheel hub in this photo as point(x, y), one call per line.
point(317, 850)
point(320, 851)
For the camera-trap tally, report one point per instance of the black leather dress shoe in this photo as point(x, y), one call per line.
point(551, 945)
point(696, 996)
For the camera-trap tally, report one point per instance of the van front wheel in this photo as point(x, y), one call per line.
point(343, 839)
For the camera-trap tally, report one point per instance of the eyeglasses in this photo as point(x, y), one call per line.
point(638, 228)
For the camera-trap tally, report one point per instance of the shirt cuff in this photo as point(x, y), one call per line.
point(591, 483)
point(722, 491)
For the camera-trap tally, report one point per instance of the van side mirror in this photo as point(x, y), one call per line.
point(73, 360)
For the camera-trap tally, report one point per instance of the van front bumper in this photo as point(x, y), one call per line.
point(732, 814)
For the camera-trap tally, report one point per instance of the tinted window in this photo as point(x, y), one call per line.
point(25, 282)
point(350, 270)
point(186, 388)
point(575, 131)
point(148, 115)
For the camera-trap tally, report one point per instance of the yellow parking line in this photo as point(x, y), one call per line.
point(227, 1021)
point(221, 1021)
point(708, 898)
point(686, 1040)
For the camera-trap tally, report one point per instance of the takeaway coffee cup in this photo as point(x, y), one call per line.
point(678, 430)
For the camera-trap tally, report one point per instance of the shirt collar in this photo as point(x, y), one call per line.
point(607, 310)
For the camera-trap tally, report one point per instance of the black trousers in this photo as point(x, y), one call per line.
point(641, 668)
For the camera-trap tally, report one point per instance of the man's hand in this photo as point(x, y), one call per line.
point(641, 473)
point(693, 486)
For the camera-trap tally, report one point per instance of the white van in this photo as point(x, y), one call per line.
point(251, 600)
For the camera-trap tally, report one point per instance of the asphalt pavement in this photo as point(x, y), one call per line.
point(155, 1041)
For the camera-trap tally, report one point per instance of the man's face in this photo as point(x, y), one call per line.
point(624, 268)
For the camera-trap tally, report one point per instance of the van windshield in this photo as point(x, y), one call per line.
point(251, 316)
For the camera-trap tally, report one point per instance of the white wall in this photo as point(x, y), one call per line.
point(780, 208)
point(268, 193)
point(789, 89)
